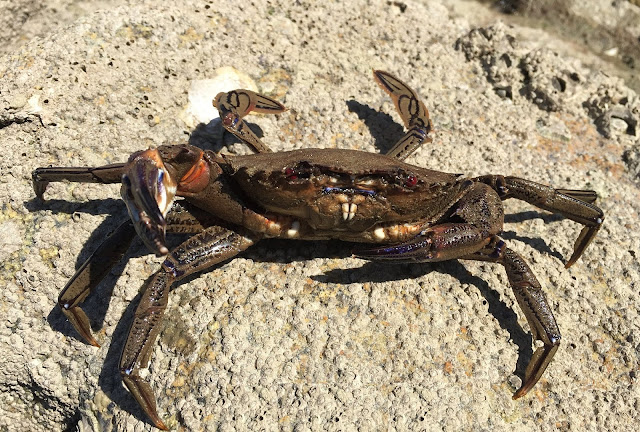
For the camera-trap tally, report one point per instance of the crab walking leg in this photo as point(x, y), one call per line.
point(180, 219)
point(438, 243)
point(104, 174)
point(412, 111)
point(464, 241)
point(480, 209)
point(89, 275)
point(185, 218)
point(236, 104)
point(573, 204)
point(533, 303)
point(211, 246)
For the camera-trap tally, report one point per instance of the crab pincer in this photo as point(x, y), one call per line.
point(148, 190)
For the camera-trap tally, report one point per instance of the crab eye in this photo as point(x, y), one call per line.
point(411, 181)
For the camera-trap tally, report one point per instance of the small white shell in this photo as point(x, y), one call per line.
point(202, 92)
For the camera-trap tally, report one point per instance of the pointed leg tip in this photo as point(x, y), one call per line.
point(88, 338)
point(155, 419)
point(80, 323)
point(378, 77)
point(87, 335)
point(39, 188)
point(571, 261)
point(575, 256)
point(524, 389)
point(518, 394)
point(157, 422)
point(142, 393)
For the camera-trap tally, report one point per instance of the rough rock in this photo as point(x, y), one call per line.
point(299, 335)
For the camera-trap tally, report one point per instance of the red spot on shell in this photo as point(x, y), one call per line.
point(290, 173)
point(411, 181)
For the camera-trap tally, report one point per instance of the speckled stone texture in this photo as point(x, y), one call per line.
point(300, 335)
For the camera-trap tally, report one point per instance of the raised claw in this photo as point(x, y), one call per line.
point(409, 106)
point(236, 104)
point(412, 111)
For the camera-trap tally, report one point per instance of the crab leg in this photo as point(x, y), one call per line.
point(412, 111)
point(450, 241)
point(533, 303)
point(211, 246)
point(98, 265)
point(477, 240)
point(104, 174)
point(573, 204)
point(438, 243)
point(480, 211)
point(181, 219)
point(236, 104)
point(89, 276)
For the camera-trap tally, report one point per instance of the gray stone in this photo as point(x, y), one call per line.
point(301, 336)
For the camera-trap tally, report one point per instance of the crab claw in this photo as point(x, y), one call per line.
point(148, 191)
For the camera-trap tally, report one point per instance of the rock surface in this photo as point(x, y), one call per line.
point(298, 335)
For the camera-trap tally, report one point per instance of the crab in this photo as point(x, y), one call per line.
point(228, 203)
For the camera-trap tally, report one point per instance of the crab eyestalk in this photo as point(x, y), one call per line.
point(148, 191)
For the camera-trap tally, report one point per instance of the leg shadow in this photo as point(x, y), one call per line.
point(385, 131)
point(212, 136)
point(504, 315)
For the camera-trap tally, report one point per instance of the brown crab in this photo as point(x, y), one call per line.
point(410, 214)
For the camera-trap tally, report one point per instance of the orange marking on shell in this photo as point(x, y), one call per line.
point(196, 178)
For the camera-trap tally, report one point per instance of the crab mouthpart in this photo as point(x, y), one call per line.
point(148, 191)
